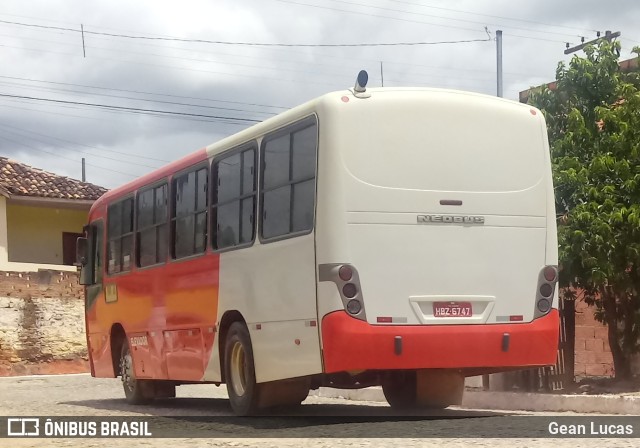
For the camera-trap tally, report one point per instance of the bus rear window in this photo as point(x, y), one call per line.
point(463, 148)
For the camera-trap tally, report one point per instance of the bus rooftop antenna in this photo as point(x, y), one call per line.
point(361, 82)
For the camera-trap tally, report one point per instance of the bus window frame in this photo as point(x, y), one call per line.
point(250, 145)
point(164, 181)
point(291, 128)
point(206, 165)
point(99, 232)
point(132, 265)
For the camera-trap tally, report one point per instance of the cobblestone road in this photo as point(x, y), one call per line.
point(80, 395)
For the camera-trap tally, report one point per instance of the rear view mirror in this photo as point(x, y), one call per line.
point(82, 252)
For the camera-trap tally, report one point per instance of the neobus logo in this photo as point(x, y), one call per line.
point(450, 219)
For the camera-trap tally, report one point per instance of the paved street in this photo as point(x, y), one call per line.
point(320, 418)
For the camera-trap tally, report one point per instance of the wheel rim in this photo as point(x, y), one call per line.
point(238, 369)
point(126, 370)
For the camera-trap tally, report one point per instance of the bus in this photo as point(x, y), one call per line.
point(394, 237)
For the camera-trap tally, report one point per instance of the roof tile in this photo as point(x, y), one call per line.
point(23, 180)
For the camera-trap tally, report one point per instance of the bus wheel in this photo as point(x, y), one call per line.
point(240, 375)
point(136, 391)
point(400, 389)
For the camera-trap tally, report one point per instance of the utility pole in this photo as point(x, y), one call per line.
point(499, 61)
point(84, 174)
point(84, 52)
point(381, 74)
point(608, 35)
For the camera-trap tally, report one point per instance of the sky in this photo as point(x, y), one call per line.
point(149, 81)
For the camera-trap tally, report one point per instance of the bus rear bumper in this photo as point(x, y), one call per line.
point(350, 344)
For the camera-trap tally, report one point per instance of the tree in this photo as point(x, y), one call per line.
point(593, 118)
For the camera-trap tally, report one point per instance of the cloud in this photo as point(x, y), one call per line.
point(246, 82)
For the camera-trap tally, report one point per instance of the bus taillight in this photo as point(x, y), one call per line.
point(354, 306)
point(349, 290)
point(345, 273)
point(347, 280)
point(550, 273)
point(547, 280)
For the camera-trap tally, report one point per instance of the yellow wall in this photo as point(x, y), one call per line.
point(35, 233)
point(3, 230)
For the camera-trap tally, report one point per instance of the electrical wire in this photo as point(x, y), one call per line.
point(248, 44)
point(58, 156)
point(21, 132)
point(135, 109)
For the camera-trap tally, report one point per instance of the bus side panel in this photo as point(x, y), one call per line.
point(273, 287)
point(168, 313)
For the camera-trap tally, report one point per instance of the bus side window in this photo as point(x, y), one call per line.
point(120, 236)
point(189, 213)
point(288, 181)
point(152, 226)
point(234, 199)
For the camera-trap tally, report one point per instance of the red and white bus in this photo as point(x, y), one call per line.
point(395, 237)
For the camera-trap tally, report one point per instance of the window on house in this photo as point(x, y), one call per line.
point(152, 226)
point(69, 240)
point(120, 236)
point(234, 199)
point(189, 215)
point(288, 181)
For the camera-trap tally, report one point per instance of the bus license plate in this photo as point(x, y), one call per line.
point(452, 309)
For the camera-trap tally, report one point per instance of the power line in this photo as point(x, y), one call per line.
point(236, 54)
point(440, 17)
point(491, 15)
point(63, 157)
point(280, 68)
point(248, 44)
point(400, 19)
point(377, 15)
point(235, 75)
point(134, 109)
point(87, 117)
point(25, 132)
point(289, 51)
point(175, 103)
point(142, 92)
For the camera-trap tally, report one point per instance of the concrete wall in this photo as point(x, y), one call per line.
point(34, 234)
point(41, 322)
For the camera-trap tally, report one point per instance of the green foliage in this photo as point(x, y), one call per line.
point(593, 118)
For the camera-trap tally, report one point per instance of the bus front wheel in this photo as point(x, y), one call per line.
point(240, 376)
point(136, 391)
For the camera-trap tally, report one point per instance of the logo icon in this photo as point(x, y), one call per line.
point(23, 427)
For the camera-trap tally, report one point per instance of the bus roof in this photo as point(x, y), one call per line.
point(272, 124)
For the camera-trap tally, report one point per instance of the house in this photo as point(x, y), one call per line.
point(41, 216)
point(41, 306)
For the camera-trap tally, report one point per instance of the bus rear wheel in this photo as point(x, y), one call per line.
point(400, 389)
point(424, 389)
point(136, 391)
point(240, 375)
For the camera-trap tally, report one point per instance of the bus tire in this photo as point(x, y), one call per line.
point(400, 389)
point(135, 391)
point(240, 375)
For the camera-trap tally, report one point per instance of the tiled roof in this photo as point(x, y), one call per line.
point(18, 179)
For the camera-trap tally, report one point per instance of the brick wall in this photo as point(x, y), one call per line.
point(41, 323)
point(592, 353)
point(43, 284)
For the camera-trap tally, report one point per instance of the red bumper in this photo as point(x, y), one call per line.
point(351, 344)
